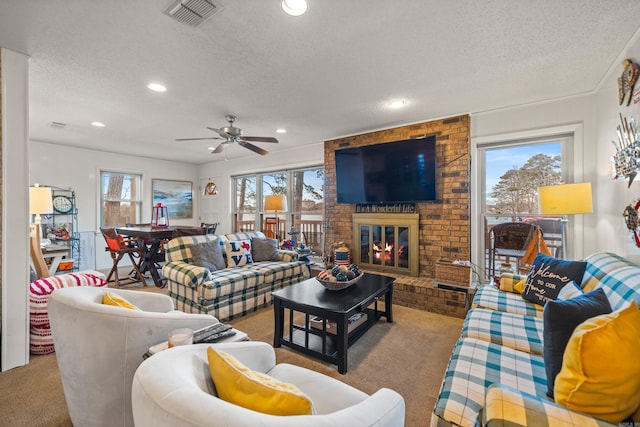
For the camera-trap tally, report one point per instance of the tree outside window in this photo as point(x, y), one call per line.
point(120, 198)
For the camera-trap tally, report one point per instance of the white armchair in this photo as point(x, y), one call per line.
point(99, 347)
point(174, 389)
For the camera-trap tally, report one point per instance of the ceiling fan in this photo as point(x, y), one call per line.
point(231, 135)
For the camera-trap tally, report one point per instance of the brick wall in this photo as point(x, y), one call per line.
point(445, 224)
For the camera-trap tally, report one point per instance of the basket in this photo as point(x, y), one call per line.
point(338, 286)
point(453, 274)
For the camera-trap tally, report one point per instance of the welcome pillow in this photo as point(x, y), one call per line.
point(548, 276)
point(238, 252)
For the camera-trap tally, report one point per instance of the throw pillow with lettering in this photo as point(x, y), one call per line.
point(238, 252)
point(548, 276)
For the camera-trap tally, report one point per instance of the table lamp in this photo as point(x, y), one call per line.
point(565, 199)
point(275, 203)
point(40, 202)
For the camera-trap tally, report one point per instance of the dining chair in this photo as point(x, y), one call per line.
point(211, 227)
point(118, 247)
point(509, 240)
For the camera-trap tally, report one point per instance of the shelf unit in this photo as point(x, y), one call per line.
point(61, 226)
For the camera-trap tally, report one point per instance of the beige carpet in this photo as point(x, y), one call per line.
point(408, 356)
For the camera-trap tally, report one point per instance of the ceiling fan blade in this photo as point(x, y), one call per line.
point(219, 148)
point(220, 132)
point(196, 139)
point(253, 148)
point(259, 139)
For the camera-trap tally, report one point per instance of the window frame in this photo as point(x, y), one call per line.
point(138, 201)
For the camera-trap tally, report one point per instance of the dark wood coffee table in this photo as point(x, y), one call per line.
point(312, 299)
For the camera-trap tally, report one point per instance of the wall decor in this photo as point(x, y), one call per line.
point(625, 161)
point(177, 196)
point(630, 215)
point(386, 208)
point(627, 80)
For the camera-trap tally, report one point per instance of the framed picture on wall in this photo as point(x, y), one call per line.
point(177, 196)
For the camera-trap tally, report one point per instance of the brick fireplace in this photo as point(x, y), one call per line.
point(444, 225)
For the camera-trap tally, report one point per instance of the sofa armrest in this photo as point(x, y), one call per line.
point(507, 406)
point(185, 274)
point(287, 256)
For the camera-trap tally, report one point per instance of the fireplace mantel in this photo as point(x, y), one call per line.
point(386, 242)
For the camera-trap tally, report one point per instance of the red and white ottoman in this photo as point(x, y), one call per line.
point(41, 341)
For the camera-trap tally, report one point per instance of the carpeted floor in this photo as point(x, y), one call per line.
point(408, 356)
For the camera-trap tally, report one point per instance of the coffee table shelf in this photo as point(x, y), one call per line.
point(311, 299)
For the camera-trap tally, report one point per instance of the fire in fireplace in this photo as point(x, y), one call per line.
point(377, 251)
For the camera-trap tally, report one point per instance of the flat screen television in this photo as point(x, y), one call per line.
point(401, 171)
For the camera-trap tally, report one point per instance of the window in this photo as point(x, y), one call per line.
point(512, 172)
point(304, 189)
point(120, 198)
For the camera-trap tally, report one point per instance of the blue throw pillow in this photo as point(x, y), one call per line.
point(560, 318)
point(547, 277)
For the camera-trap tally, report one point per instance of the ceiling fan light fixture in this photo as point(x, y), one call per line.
point(294, 7)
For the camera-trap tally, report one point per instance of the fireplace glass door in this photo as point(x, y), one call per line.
point(386, 243)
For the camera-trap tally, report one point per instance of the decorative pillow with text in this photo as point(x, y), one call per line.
point(238, 252)
point(548, 276)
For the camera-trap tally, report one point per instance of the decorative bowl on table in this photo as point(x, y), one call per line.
point(340, 277)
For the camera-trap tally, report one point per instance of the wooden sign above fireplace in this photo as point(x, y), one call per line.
point(386, 208)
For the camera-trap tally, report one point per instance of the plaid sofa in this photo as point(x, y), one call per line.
point(496, 374)
point(233, 291)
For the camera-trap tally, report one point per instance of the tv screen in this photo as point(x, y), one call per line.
point(401, 171)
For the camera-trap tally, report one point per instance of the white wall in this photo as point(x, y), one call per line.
point(79, 169)
point(15, 209)
point(596, 116)
point(613, 196)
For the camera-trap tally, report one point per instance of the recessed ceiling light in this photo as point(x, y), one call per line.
point(281, 130)
point(97, 124)
point(397, 103)
point(294, 7)
point(157, 87)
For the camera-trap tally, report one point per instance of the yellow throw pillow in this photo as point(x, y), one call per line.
point(509, 282)
point(600, 372)
point(111, 298)
point(241, 386)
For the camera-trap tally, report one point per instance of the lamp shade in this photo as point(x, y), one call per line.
point(40, 200)
point(566, 199)
point(275, 203)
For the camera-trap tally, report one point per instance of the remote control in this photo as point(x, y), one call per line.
point(212, 332)
point(209, 330)
point(219, 336)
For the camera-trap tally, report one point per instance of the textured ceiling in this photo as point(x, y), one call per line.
point(326, 74)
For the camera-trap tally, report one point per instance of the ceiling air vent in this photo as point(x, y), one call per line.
point(191, 12)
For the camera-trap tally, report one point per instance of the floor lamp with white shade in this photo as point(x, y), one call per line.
point(565, 199)
point(40, 203)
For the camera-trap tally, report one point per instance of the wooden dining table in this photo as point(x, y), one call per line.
point(151, 239)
